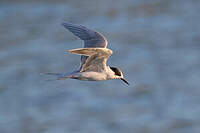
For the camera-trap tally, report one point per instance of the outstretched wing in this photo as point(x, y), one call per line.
point(91, 38)
point(97, 58)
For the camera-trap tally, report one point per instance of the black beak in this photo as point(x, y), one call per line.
point(125, 81)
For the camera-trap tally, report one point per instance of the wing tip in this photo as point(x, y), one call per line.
point(79, 51)
point(65, 24)
point(70, 51)
point(73, 51)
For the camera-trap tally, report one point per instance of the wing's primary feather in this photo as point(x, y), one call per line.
point(91, 38)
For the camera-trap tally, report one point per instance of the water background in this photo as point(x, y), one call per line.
point(155, 44)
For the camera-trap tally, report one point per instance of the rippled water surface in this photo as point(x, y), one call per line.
point(155, 43)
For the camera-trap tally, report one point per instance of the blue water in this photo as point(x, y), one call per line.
point(155, 44)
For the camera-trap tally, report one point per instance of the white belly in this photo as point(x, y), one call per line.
point(93, 76)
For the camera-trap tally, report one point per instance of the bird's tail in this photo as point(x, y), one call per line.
point(59, 76)
point(49, 73)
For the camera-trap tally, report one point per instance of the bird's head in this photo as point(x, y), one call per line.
point(119, 74)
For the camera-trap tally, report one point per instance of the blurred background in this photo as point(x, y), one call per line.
point(155, 44)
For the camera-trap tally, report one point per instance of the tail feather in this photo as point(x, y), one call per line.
point(49, 73)
point(59, 76)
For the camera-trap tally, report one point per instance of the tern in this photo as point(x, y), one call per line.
point(94, 57)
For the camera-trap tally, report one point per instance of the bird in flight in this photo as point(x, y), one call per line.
point(94, 56)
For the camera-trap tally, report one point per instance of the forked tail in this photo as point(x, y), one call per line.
point(56, 74)
point(59, 76)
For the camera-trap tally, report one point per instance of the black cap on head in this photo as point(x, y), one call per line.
point(119, 73)
point(116, 71)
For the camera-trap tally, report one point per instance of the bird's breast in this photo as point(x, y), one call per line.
point(94, 76)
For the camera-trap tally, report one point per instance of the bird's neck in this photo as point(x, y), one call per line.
point(110, 73)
